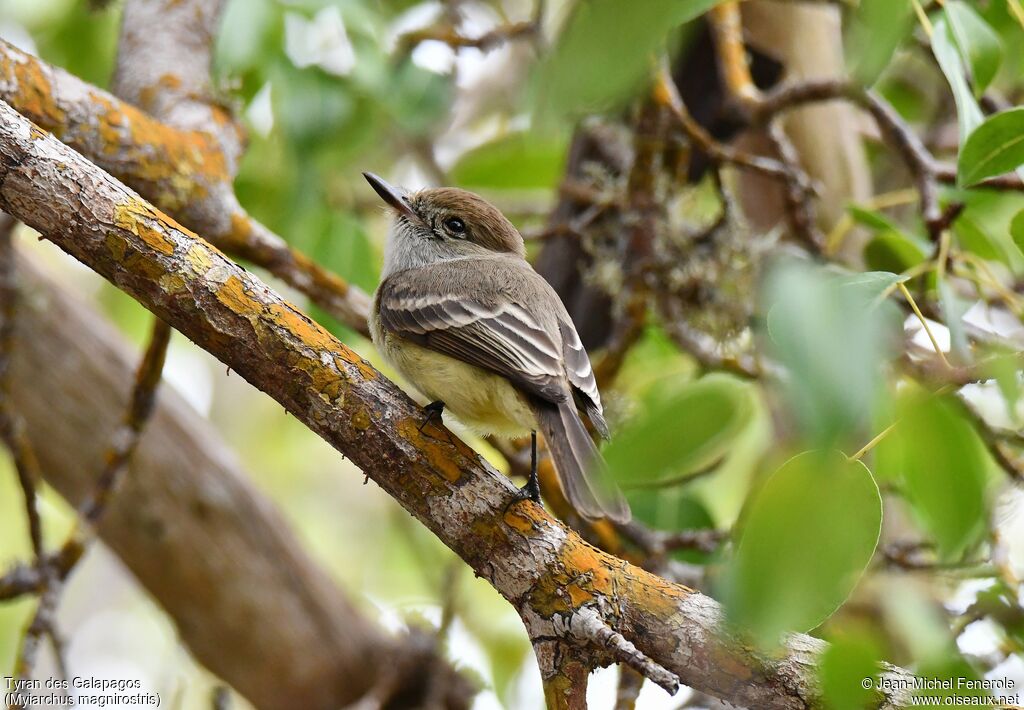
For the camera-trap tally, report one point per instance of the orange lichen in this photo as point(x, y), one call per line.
point(33, 93)
point(366, 370)
point(309, 331)
point(521, 518)
point(651, 592)
point(232, 294)
point(437, 456)
point(138, 218)
point(241, 229)
point(182, 164)
point(328, 385)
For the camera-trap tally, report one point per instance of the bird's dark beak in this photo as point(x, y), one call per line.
point(392, 196)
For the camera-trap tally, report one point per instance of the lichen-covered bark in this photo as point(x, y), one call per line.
point(170, 167)
point(164, 54)
point(211, 550)
point(558, 583)
point(187, 172)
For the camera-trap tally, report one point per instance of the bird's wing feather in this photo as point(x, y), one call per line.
point(504, 337)
point(581, 375)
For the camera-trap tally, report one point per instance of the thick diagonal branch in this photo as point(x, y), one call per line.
point(542, 568)
point(211, 550)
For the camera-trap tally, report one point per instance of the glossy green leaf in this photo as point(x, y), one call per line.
point(980, 47)
point(680, 426)
point(942, 466)
point(606, 50)
point(833, 346)
point(806, 539)
point(516, 161)
point(878, 28)
point(1017, 230)
point(948, 56)
point(994, 148)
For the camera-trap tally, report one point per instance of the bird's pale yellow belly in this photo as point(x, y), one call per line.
point(481, 400)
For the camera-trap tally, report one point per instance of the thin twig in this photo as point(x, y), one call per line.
point(126, 438)
point(924, 323)
point(799, 205)
point(667, 94)
point(487, 41)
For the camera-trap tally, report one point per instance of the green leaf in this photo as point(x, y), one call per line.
point(515, 161)
point(980, 47)
point(878, 28)
point(872, 218)
point(1017, 230)
point(671, 509)
point(948, 56)
point(995, 147)
point(870, 287)
point(851, 657)
point(872, 284)
point(605, 51)
point(807, 537)
point(942, 465)
point(975, 239)
point(893, 251)
point(681, 426)
point(833, 346)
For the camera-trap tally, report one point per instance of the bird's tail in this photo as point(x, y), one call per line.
point(580, 468)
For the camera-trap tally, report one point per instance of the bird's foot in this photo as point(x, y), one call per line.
point(434, 409)
point(530, 491)
point(532, 488)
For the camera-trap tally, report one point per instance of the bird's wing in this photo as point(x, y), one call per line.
point(453, 316)
point(581, 375)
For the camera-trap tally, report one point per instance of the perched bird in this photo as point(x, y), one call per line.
point(467, 321)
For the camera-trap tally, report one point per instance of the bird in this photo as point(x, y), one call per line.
point(464, 318)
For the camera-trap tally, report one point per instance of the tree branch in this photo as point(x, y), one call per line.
point(543, 569)
point(212, 551)
point(187, 172)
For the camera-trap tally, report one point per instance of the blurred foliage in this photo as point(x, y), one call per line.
point(581, 75)
point(833, 333)
point(935, 455)
point(804, 541)
point(679, 427)
point(853, 655)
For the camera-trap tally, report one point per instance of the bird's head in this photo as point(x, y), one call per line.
point(442, 223)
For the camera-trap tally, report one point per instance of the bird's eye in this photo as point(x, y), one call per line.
point(455, 225)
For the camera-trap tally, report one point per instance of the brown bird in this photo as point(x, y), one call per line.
point(467, 321)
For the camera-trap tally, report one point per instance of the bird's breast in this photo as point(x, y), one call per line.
point(481, 400)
